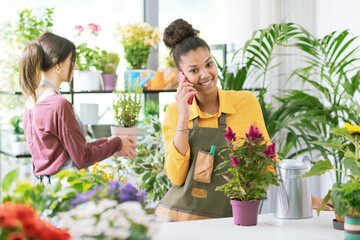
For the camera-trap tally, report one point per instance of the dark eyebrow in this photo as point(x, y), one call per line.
point(196, 65)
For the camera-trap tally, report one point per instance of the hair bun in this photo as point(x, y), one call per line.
point(177, 31)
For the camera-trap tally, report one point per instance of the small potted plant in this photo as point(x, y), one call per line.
point(88, 59)
point(18, 141)
point(345, 197)
point(137, 39)
point(247, 170)
point(127, 106)
point(109, 63)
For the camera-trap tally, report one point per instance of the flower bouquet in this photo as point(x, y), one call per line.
point(248, 169)
point(137, 40)
point(19, 221)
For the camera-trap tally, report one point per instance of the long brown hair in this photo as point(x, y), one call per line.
point(41, 55)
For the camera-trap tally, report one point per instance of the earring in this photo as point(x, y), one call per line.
point(57, 70)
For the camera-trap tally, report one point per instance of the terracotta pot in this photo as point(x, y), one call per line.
point(245, 213)
point(120, 131)
point(339, 219)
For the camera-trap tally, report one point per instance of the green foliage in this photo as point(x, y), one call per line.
point(345, 197)
point(15, 123)
point(149, 164)
point(30, 26)
point(151, 108)
point(87, 57)
point(38, 196)
point(127, 106)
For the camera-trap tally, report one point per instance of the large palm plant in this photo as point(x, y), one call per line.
point(333, 70)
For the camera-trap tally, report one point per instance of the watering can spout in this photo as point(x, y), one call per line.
point(145, 80)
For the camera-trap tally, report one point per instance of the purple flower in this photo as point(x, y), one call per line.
point(235, 162)
point(247, 185)
point(230, 135)
point(270, 151)
point(254, 133)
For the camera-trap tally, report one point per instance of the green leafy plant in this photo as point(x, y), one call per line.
point(247, 170)
point(87, 57)
point(127, 106)
point(345, 197)
point(15, 123)
point(151, 108)
point(149, 163)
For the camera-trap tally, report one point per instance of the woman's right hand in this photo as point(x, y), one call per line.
point(184, 91)
point(128, 147)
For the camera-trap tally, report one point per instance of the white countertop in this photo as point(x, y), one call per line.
point(268, 227)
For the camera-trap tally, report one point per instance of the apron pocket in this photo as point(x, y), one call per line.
point(203, 166)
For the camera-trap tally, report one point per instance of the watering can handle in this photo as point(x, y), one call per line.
point(284, 200)
point(169, 79)
point(145, 80)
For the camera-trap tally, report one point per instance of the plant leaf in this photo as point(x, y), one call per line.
point(350, 163)
point(9, 179)
point(319, 168)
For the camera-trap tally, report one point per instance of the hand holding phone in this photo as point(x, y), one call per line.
point(181, 76)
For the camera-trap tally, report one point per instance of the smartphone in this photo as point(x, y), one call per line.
point(181, 76)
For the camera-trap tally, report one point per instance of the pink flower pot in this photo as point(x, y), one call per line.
point(109, 81)
point(245, 213)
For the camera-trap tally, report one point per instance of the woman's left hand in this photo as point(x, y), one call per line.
point(316, 203)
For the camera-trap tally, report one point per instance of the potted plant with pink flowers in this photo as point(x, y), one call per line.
point(248, 168)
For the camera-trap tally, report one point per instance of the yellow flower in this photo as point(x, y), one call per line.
point(125, 180)
point(352, 128)
point(113, 171)
point(97, 164)
point(105, 175)
point(95, 169)
point(103, 167)
point(82, 170)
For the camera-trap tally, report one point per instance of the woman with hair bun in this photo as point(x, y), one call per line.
point(191, 129)
point(50, 125)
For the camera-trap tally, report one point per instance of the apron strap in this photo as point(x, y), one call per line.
point(222, 121)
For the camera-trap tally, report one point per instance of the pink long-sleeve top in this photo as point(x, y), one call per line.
point(53, 135)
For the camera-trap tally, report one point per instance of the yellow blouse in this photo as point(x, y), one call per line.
point(242, 109)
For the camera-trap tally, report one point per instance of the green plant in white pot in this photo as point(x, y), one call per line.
point(127, 106)
point(18, 141)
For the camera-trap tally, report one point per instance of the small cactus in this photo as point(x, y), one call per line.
point(109, 68)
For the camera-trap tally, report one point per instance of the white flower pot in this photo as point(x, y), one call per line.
point(89, 80)
point(120, 131)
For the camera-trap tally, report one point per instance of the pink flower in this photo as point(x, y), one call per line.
point(230, 135)
point(254, 133)
point(235, 161)
point(247, 185)
point(79, 28)
point(270, 151)
point(94, 28)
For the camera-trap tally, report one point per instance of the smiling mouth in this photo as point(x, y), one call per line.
point(206, 83)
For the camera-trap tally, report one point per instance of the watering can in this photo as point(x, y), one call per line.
point(158, 82)
point(140, 77)
point(89, 113)
point(293, 197)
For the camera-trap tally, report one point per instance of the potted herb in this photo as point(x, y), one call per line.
point(109, 62)
point(345, 197)
point(18, 141)
point(247, 173)
point(127, 106)
point(88, 59)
